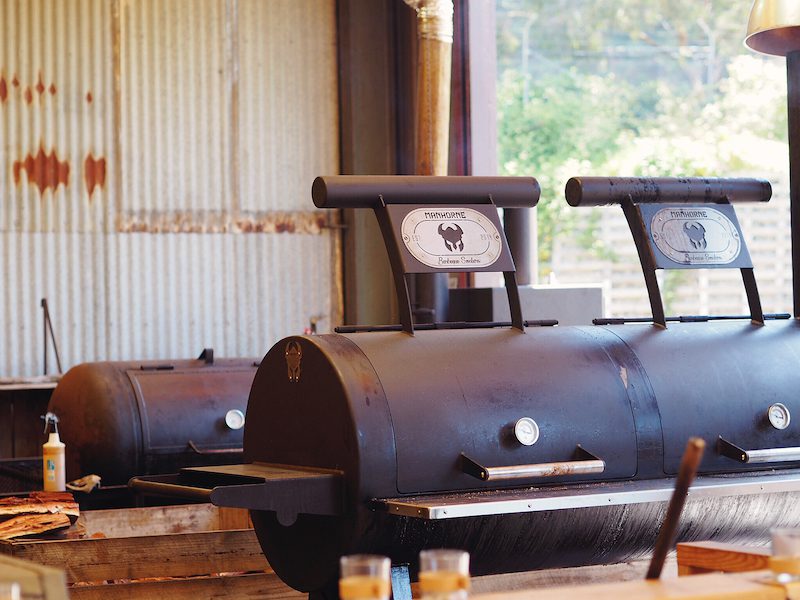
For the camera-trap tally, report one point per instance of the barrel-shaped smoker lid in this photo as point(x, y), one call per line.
point(124, 418)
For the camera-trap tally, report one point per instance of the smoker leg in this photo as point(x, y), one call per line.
point(331, 592)
point(401, 583)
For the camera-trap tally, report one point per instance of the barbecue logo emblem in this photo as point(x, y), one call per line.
point(294, 354)
point(452, 236)
point(695, 235)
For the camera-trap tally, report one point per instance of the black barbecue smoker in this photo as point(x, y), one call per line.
point(528, 444)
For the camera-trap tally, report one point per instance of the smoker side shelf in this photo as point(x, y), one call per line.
point(494, 502)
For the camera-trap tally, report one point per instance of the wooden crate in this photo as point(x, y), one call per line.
point(36, 582)
point(176, 552)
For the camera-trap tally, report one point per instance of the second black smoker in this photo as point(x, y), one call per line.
point(528, 445)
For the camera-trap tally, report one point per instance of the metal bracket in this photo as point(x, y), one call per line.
point(287, 491)
point(207, 355)
point(641, 238)
point(400, 273)
point(709, 237)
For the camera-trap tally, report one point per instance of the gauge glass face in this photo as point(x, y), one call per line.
point(526, 431)
point(779, 416)
point(234, 419)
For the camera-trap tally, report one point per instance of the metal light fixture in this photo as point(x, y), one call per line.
point(774, 28)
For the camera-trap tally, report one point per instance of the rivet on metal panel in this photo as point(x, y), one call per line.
point(52, 89)
point(94, 173)
point(45, 170)
point(28, 95)
point(15, 81)
point(3, 89)
point(40, 85)
point(89, 97)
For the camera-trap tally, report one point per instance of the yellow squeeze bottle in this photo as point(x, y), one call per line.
point(53, 459)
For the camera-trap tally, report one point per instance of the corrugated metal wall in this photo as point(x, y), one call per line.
point(156, 160)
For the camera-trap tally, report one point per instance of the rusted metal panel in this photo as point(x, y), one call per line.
point(133, 130)
point(55, 115)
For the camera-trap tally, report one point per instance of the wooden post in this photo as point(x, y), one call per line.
point(435, 52)
point(434, 57)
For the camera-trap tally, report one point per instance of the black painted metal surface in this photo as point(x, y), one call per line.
point(354, 191)
point(120, 419)
point(393, 413)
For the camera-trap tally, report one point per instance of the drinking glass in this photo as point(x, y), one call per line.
point(444, 574)
point(364, 577)
point(9, 591)
point(785, 559)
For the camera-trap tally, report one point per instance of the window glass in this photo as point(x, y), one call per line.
point(632, 88)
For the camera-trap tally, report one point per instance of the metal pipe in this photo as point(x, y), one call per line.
point(793, 106)
point(356, 191)
point(601, 191)
point(587, 465)
point(555, 469)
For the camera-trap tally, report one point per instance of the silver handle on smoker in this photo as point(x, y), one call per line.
point(764, 455)
point(194, 448)
point(587, 464)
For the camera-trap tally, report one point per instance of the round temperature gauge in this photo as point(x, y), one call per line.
point(526, 431)
point(779, 416)
point(234, 419)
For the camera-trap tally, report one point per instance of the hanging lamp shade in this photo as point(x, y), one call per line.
point(774, 27)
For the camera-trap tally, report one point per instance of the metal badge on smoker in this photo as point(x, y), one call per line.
point(451, 238)
point(294, 354)
point(695, 236)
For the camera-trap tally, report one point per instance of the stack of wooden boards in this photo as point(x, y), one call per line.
point(40, 512)
point(178, 552)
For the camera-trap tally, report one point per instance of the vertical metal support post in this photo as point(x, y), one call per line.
point(753, 299)
point(517, 224)
point(793, 106)
point(639, 233)
point(48, 325)
point(398, 273)
point(44, 331)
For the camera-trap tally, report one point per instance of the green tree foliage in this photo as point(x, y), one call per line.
point(628, 88)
